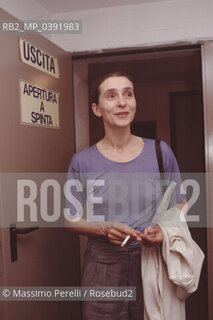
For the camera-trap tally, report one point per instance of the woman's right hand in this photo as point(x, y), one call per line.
point(117, 232)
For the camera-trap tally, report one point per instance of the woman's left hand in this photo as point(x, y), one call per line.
point(152, 236)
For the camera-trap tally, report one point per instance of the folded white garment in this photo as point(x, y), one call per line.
point(171, 271)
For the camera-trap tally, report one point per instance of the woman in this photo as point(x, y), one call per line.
point(122, 155)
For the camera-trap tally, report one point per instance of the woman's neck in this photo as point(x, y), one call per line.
point(117, 139)
point(120, 145)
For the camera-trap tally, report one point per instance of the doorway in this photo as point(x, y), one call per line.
point(166, 83)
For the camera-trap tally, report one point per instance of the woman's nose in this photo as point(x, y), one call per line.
point(121, 101)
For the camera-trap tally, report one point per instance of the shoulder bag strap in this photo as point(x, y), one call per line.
point(159, 157)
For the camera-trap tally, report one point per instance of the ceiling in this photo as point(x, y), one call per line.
point(56, 6)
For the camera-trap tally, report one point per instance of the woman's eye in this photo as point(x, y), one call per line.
point(129, 94)
point(111, 96)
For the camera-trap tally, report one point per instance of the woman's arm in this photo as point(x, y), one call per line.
point(116, 232)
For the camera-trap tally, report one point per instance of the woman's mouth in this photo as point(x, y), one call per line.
point(122, 114)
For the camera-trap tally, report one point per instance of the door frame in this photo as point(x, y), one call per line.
point(81, 74)
point(207, 81)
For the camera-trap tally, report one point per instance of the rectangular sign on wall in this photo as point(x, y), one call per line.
point(39, 106)
point(38, 58)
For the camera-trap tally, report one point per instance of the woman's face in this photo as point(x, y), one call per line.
point(117, 104)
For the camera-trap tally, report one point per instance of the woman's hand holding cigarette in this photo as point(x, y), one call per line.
point(117, 233)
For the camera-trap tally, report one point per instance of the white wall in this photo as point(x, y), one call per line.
point(146, 24)
point(25, 9)
point(140, 25)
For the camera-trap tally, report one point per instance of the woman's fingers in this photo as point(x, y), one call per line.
point(115, 234)
point(118, 232)
point(149, 230)
point(152, 236)
point(126, 230)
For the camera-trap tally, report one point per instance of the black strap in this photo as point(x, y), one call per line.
point(159, 157)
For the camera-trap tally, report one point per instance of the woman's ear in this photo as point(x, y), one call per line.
point(96, 109)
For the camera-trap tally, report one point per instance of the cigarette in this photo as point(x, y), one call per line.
point(125, 241)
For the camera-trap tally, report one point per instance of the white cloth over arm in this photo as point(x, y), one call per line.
point(171, 271)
